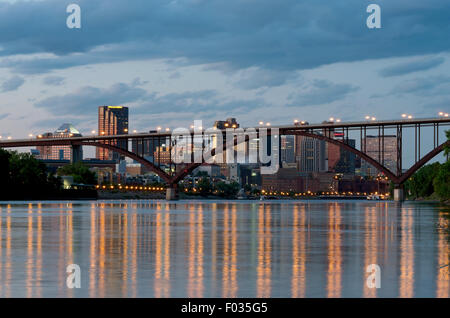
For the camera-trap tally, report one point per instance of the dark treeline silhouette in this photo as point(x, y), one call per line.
point(23, 177)
point(431, 181)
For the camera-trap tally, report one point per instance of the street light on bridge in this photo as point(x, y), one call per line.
point(408, 116)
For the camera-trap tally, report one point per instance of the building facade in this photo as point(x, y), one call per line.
point(341, 160)
point(57, 152)
point(383, 152)
point(310, 154)
point(287, 150)
point(112, 120)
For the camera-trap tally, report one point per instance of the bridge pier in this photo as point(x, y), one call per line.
point(399, 193)
point(77, 154)
point(171, 193)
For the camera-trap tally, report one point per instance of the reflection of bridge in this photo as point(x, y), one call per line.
point(326, 132)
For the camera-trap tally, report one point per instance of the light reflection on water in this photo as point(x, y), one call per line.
point(223, 249)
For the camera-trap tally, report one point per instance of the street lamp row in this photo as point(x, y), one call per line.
point(261, 123)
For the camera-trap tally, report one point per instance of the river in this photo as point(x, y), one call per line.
point(223, 249)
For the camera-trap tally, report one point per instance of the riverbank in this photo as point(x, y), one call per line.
point(85, 194)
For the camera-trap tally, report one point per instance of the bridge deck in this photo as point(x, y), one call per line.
point(13, 143)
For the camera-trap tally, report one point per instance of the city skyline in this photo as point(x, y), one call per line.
point(248, 69)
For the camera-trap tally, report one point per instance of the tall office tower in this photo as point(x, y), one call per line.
point(58, 152)
point(385, 154)
point(287, 149)
point(112, 120)
point(341, 160)
point(310, 154)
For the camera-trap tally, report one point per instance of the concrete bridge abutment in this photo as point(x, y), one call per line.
point(172, 193)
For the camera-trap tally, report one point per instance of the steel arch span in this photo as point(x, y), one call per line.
point(419, 164)
point(128, 154)
point(396, 179)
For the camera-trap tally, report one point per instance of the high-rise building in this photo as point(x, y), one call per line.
point(58, 152)
point(310, 154)
point(385, 154)
point(341, 160)
point(112, 120)
point(162, 155)
point(287, 149)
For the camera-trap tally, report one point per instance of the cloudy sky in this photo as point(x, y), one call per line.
point(176, 61)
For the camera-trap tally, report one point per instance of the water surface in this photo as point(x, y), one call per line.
point(223, 248)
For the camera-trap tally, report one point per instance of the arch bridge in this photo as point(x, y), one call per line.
point(375, 141)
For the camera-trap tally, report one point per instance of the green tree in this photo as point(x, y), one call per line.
point(227, 190)
point(79, 172)
point(420, 185)
point(442, 182)
point(23, 176)
point(447, 148)
point(204, 186)
point(26, 171)
point(4, 171)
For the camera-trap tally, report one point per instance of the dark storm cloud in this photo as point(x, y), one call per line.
point(85, 100)
point(281, 35)
point(260, 78)
point(321, 92)
point(12, 84)
point(194, 102)
point(424, 86)
point(411, 67)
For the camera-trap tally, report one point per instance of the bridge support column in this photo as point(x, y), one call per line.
point(77, 154)
point(399, 193)
point(171, 193)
